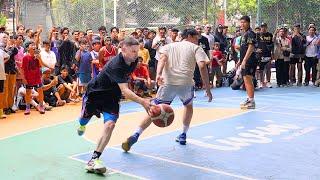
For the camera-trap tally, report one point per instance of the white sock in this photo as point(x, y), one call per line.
point(251, 99)
point(139, 130)
point(185, 129)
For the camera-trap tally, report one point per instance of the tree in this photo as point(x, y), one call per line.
point(3, 20)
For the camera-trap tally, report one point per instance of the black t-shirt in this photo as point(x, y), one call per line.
point(249, 37)
point(49, 91)
point(152, 52)
point(220, 38)
point(116, 71)
point(115, 42)
point(264, 42)
point(10, 65)
point(62, 80)
point(297, 44)
point(67, 51)
point(204, 43)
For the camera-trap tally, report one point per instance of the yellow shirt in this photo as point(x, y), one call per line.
point(144, 53)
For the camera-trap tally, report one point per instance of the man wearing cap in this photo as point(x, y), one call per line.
point(298, 53)
point(264, 51)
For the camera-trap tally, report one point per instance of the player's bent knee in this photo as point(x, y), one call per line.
point(110, 125)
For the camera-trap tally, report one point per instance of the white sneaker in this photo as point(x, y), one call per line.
point(96, 166)
point(259, 85)
point(269, 85)
point(248, 104)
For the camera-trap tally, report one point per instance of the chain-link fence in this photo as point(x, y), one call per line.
point(82, 14)
point(289, 12)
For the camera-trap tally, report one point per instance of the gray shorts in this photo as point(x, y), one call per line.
point(166, 94)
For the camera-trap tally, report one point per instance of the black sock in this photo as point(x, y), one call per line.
point(96, 155)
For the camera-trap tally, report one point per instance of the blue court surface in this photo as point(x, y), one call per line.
point(278, 140)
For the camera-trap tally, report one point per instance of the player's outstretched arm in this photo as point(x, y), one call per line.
point(132, 96)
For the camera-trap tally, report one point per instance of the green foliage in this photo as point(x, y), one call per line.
point(3, 20)
point(244, 7)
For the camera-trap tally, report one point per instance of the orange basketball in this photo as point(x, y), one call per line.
point(162, 115)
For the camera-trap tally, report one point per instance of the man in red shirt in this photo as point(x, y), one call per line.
point(107, 52)
point(141, 79)
point(31, 65)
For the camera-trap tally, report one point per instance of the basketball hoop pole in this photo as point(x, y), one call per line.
point(115, 13)
point(104, 12)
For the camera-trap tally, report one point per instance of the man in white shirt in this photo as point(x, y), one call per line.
point(207, 33)
point(159, 41)
point(175, 76)
point(48, 57)
point(311, 60)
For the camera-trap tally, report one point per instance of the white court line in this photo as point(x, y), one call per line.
point(146, 138)
point(292, 114)
point(191, 165)
point(305, 108)
point(301, 132)
point(65, 122)
point(110, 173)
point(261, 95)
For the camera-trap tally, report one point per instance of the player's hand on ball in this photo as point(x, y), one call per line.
point(209, 95)
point(146, 103)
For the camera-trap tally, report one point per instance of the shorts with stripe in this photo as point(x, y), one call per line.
point(166, 94)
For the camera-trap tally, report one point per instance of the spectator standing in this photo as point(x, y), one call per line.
point(83, 56)
point(311, 60)
point(207, 33)
point(264, 52)
point(143, 53)
point(159, 41)
point(11, 74)
point(107, 52)
point(281, 55)
point(4, 57)
point(31, 66)
point(114, 32)
point(298, 53)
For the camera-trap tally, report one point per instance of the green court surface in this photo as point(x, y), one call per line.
point(43, 154)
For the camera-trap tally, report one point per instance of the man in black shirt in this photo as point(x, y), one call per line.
point(103, 96)
point(204, 43)
point(11, 71)
point(264, 53)
point(66, 85)
point(298, 52)
point(248, 61)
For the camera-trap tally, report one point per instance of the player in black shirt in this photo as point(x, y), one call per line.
point(264, 53)
point(248, 61)
point(103, 96)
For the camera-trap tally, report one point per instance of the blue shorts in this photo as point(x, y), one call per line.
point(94, 105)
point(84, 78)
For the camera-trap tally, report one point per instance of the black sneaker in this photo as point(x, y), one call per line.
point(7, 111)
point(12, 111)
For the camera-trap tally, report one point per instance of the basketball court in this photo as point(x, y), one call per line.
point(278, 140)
